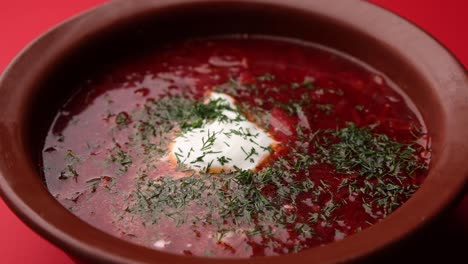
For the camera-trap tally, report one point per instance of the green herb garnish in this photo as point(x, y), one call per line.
point(122, 120)
point(327, 108)
point(359, 151)
point(121, 158)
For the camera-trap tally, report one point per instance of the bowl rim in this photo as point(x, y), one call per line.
point(434, 61)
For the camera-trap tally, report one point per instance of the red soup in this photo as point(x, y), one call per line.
point(236, 147)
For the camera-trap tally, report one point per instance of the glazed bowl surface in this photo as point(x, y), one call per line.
point(31, 91)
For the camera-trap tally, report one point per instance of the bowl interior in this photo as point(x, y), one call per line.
point(79, 48)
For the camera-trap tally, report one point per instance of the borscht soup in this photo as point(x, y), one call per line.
point(235, 146)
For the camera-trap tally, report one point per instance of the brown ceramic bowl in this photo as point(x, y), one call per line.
point(34, 86)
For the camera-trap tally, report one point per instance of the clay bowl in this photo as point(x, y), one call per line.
point(34, 86)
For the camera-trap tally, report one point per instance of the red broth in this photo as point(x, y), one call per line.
point(351, 149)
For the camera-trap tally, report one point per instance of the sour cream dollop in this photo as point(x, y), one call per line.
point(226, 144)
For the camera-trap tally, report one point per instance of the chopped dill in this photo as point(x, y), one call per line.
point(122, 120)
point(121, 158)
point(266, 77)
point(359, 151)
point(327, 108)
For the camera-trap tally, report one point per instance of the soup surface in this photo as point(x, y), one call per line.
point(235, 147)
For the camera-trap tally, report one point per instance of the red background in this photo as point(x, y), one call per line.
point(23, 20)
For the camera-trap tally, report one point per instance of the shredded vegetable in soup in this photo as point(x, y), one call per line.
point(236, 147)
